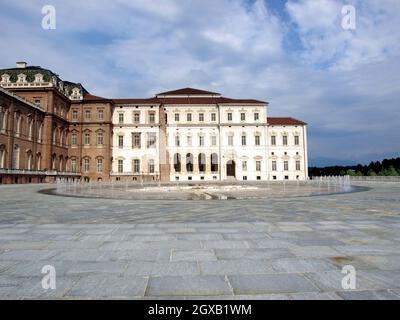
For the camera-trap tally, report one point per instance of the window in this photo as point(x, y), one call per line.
point(73, 165)
point(151, 140)
point(87, 139)
point(213, 140)
point(214, 162)
point(201, 117)
point(189, 141)
point(74, 139)
point(87, 115)
point(297, 165)
point(213, 116)
point(151, 166)
point(285, 165)
point(202, 162)
point(136, 117)
point(243, 116)
point(100, 138)
point(230, 140)
point(258, 165)
point(284, 140)
point(136, 137)
point(244, 165)
point(74, 115)
point(120, 118)
point(189, 117)
point(256, 116)
point(177, 141)
point(136, 166)
point(273, 165)
point(37, 102)
point(229, 116)
point(273, 140)
point(286, 177)
point(177, 117)
point(152, 117)
point(296, 140)
point(189, 162)
point(86, 165)
point(120, 166)
point(2, 156)
point(100, 115)
point(244, 178)
point(99, 165)
point(201, 141)
point(120, 142)
point(257, 140)
point(177, 162)
point(244, 140)
point(2, 120)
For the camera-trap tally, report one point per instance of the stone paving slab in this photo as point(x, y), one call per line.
point(280, 249)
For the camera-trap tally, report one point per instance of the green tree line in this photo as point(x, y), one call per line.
point(388, 167)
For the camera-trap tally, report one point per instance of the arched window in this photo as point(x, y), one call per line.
point(54, 162)
point(2, 119)
point(17, 123)
point(189, 162)
point(61, 163)
point(40, 130)
point(15, 157)
point(29, 160)
point(39, 161)
point(30, 128)
point(2, 156)
point(177, 162)
point(202, 162)
point(214, 162)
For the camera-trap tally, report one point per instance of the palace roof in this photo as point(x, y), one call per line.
point(284, 121)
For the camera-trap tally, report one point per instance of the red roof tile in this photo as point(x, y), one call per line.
point(284, 121)
point(90, 97)
point(188, 91)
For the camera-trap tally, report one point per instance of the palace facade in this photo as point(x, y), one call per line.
point(50, 128)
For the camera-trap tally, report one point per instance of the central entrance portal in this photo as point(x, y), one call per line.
point(230, 168)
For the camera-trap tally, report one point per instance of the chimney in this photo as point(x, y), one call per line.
point(21, 65)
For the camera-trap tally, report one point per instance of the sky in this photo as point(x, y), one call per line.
point(295, 54)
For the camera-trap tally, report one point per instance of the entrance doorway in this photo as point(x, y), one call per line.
point(231, 168)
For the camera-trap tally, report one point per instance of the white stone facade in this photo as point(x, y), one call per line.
point(200, 135)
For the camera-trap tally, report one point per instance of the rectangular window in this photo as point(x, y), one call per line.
point(100, 115)
point(273, 165)
point(285, 165)
point(284, 140)
point(297, 165)
point(136, 137)
point(201, 141)
point(201, 117)
point(136, 166)
point(152, 117)
point(100, 138)
point(86, 165)
point(120, 142)
point(177, 141)
point(87, 139)
point(176, 117)
point(273, 141)
point(2, 120)
point(136, 117)
point(73, 165)
point(99, 165)
point(87, 115)
point(258, 165)
point(256, 116)
point(244, 166)
point(120, 166)
point(151, 166)
point(213, 117)
point(296, 140)
point(120, 118)
point(229, 116)
point(74, 139)
point(189, 141)
point(230, 140)
point(242, 117)
point(244, 140)
point(213, 140)
point(257, 140)
point(151, 140)
point(74, 115)
point(189, 117)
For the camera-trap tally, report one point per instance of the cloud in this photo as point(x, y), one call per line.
point(344, 83)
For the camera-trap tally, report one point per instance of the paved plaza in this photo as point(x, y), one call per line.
point(291, 248)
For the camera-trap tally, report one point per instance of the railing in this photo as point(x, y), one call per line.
point(38, 172)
